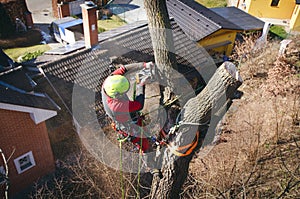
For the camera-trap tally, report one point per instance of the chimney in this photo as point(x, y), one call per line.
point(90, 27)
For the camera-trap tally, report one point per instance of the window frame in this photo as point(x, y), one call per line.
point(275, 3)
point(31, 162)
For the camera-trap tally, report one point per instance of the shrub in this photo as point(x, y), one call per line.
point(278, 31)
point(107, 12)
point(100, 29)
point(30, 55)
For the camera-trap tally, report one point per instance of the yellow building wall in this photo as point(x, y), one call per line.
point(218, 37)
point(263, 8)
point(295, 20)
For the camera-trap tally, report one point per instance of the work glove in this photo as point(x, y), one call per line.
point(145, 80)
point(149, 65)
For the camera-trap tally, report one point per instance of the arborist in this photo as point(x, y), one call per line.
point(122, 110)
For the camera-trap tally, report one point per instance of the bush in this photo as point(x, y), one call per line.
point(6, 26)
point(106, 12)
point(100, 29)
point(30, 55)
point(278, 31)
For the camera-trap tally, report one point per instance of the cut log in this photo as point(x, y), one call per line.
point(197, 113)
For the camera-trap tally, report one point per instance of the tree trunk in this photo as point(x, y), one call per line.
point(206, 107)
point(162, 40)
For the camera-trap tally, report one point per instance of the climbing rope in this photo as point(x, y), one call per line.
point(121, 169)
point(189, 147)
point(176, 150)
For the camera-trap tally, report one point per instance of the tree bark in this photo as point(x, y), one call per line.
point(197, 112)
point(205, 108)
point(162, 40)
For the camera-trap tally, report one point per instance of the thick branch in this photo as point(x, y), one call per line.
point(199, 110)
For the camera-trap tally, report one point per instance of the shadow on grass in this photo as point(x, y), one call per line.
point(25, 39)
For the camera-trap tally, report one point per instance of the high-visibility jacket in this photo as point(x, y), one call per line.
point(120, 109)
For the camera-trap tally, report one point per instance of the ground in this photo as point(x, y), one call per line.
point(257, 154)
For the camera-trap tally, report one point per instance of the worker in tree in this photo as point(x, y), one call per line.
point(122, 110)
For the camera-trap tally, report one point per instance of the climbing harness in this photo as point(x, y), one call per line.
point(164, 138)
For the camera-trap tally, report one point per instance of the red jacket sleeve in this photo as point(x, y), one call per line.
point(120, 71)
point(134, 106)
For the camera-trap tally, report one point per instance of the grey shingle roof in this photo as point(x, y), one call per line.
point(42, 101)
point(196, 20)
point(89, 68)
point(15, 89)
point(85, 68)
point(18, 78)
point(242, 19)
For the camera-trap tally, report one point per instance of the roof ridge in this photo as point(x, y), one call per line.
point(192, 4)
point(194, 9)
point(32, 93)
point(10, 70)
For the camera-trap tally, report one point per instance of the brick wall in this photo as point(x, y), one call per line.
point(55, 7)
point(55, 2)
point(19, 132)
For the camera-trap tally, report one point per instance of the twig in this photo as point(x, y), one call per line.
point(6, 174)
point(288, 187)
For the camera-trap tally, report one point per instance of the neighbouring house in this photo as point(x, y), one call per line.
point(287, 11)
point(65, 8)
point(24, 136)
point(67, 30)
point(214, 29)
point(12, 10)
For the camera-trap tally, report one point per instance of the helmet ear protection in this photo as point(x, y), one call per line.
point(116, 85)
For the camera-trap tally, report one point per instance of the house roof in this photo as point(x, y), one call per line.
point(196, 20)
point(5, 61)
point(128, 44)
point(16, 88)
point(34, 100)
point(239, 17)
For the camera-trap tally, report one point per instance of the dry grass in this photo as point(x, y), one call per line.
point(81, 176)
point(258, 153)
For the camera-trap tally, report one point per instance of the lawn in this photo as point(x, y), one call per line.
point(279, 31)
point(14, 53)
point(213, 3)
point(110, 23)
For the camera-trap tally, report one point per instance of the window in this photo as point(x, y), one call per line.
point(274, 2)
point(24, 162)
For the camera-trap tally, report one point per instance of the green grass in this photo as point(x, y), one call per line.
point(111, 23)
point(279, 31)
point(14, 53)
point(213, 3)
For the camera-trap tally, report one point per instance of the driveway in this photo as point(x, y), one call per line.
point(130, 11)
point(41, 11)
point(42, 16)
